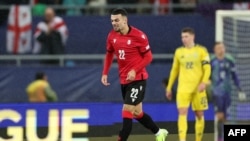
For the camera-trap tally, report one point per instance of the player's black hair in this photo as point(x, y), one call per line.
point(39, 75)
point(121, 11)
point(188, 30)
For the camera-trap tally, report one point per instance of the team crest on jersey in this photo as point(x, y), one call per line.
point(141, 88)
point(129, 42)
point(143, 36)
point(114, 40)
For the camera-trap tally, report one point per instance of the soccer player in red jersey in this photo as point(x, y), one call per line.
point(132, 50)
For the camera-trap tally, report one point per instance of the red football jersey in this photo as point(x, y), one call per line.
point(129, 50)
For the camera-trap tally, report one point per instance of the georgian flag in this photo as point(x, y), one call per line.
point(19, 30)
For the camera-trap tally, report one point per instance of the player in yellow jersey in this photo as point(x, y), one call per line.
point(39, 90)
point(191, 65)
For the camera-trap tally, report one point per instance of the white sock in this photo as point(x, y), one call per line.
point(158, 133)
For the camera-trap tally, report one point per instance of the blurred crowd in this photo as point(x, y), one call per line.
point(81, 7)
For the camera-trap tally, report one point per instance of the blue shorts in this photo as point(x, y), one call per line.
point(221, 103)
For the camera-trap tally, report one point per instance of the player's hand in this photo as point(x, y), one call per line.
point(169, 95)
point(105, 80)
point(202, 87)
point(131, 75)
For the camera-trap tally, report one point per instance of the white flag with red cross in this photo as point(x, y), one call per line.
point(19, 31)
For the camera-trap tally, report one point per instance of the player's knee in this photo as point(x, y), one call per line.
point(138, 115)
point(220, 116)
point(130, 108)
point(199, 114)
point(182, 111)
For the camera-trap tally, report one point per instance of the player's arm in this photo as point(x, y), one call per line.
point(40, 34)
point(145, 51)
point(241, 94)
point(147, 58)
point(206, 66)
point(109, 56)
point(173, 73)
point(235, 75)
point(107, 62)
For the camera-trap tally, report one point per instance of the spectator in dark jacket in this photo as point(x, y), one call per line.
point(51, 34)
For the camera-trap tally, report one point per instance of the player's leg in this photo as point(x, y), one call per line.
point(139, 115)
point(199, 104)
point(133, 94)
point(199, 124)
point(127, 114)
point(145, 119)
point(148, 123)
point(219, 114)
point(222, 117)
point(183, 102)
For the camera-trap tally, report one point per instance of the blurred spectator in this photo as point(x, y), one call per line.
point(188, 9)
point(160, 10)
point(40, 90)
point(241, 5)
point(74, 11)
point(97, 6)
point(51, 34)
point(144, 10)
point(185, 8)
point(38, 9)
point(50, 2)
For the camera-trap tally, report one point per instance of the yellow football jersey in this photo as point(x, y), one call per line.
point(32, 87)
point(192, 67)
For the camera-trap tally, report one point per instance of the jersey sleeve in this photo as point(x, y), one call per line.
point(205, 60)
point(205, 56)
point(109, 46)
point(142, 43)
point(109, 55)
point(233, 71)
point(174, 72)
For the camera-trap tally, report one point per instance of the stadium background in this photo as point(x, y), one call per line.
point(78, 82)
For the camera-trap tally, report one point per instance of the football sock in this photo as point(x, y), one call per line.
point(147, 122)
point(220, 129)
point(127, 125)
point(199, 128)
point(182, 126)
